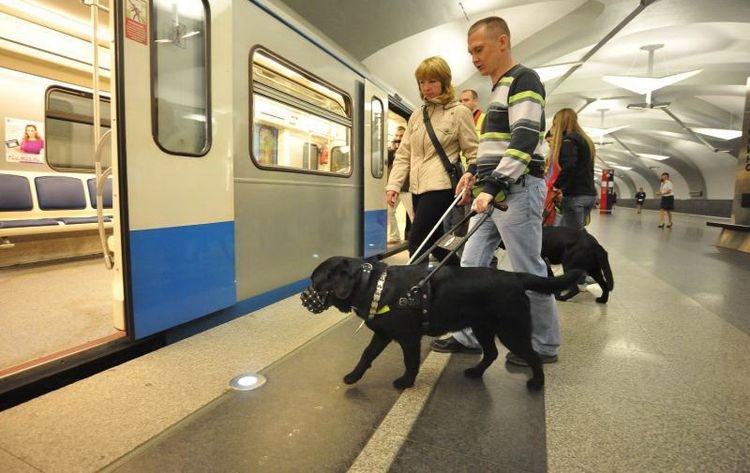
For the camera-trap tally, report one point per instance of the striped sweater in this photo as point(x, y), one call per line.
point(513, 130)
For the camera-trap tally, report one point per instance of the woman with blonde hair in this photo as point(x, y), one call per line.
point(418, 160)
point(573, 151)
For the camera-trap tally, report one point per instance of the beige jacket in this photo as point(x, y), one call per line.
point(416, 158)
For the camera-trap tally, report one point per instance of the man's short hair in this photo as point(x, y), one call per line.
point(493, 24)
point(473, 92)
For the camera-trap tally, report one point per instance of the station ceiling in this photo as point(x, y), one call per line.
point(597, 38)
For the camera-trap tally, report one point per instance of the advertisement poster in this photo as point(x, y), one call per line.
point(24, 141)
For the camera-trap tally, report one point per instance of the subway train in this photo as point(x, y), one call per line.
point(236, 148)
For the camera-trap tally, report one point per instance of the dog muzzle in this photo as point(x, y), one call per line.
point(314, 301)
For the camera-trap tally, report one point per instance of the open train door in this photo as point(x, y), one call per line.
point(375, 217)
point(175, 181)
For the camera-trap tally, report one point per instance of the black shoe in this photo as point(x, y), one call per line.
point(514, 359)
point(661, 226)
point(451, 345)
point(669, 226)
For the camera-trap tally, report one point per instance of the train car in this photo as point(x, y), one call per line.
point(236, 148)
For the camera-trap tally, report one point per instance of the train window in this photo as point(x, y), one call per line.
point(376, 140)
point(69, 129)
point(180, 88)
point(299, 122)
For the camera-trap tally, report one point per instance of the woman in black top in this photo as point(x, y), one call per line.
point(574, 153)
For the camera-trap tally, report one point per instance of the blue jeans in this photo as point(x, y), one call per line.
point(520, 227)
point(575, 209)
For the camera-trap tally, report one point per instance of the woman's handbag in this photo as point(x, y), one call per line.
point(454, 170)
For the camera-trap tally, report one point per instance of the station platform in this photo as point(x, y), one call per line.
point(654, 381)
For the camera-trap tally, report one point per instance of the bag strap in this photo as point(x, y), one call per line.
point(436, 143)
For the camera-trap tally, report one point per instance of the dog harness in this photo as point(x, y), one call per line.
point(366, 272)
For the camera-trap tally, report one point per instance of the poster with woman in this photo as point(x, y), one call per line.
point(24, 141)
point(266, 144)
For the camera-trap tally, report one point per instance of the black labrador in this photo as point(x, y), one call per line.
point(490, 301)
point(577, 249)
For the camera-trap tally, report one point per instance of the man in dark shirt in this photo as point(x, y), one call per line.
point(640, 197)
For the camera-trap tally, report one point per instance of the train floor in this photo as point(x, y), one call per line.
point(654, 381)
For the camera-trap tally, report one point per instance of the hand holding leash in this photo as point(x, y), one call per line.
point(482, 201)
point(464, 187)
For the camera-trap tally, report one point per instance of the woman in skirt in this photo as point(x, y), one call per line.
point(667, 201)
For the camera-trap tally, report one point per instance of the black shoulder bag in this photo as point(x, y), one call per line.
point(455, 170)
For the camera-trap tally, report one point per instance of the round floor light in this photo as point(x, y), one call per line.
point(247, 381)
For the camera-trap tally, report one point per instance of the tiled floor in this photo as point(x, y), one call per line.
point(654, 381)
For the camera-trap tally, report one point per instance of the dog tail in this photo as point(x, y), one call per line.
point(603, 259)
point(550, 285)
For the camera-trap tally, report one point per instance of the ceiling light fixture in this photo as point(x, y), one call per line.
point(720, 133)
point(658, 157)
point(646, 106)
point(599, 133)
point(547, 73)
point(647, 84)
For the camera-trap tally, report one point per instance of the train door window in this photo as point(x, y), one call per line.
point(376, 137)
point(180, 87)
point(299, 122)
point(69, 129)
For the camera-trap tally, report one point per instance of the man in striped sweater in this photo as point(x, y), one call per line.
point(509, 167)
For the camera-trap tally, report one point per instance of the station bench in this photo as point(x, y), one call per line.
point(730, 226)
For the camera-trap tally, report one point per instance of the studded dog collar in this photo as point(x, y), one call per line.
point(376, 296)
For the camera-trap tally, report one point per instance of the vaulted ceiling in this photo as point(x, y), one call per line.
point(391, 37)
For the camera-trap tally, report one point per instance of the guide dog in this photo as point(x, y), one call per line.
point(577, 249)
point(490, 301)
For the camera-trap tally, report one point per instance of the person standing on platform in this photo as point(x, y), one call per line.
point(394, 234)
point(418, 159)
point(573, 151)
point(667, 201)
point(469, 97)
point(510, 165)
point(640, 198)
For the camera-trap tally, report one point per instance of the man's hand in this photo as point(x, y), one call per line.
point(390, 197)
point(482, 202)
point(464, 186)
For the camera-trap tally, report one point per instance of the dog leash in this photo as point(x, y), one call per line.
point(434, 229)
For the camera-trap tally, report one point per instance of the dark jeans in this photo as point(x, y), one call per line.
point(428, 208)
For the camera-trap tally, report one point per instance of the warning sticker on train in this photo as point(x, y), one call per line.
point(136, 21)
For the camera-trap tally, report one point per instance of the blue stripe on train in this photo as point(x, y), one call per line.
point(375, 232)
point(180, 274)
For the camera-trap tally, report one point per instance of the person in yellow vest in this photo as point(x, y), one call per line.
point(470, 98)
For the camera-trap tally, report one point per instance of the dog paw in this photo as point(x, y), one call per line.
point(473, 372)
point(535, 384)
point(352, 378)
point(403, 383)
